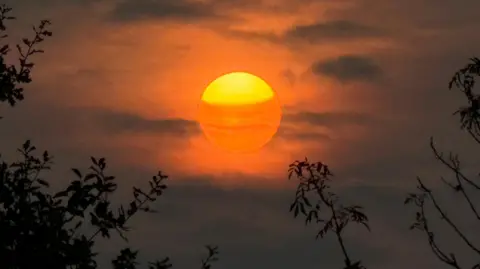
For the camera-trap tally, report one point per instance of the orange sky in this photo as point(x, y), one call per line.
point(157, 68)
point(162, 70)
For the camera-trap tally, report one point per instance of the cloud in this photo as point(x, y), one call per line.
point(329, 119)
point(348, 68)
point(189, 10)
point(291, 133)
point(289, 76)
point(307, 126)
point(336, 29)
point(116, 122)
point(181, 10)
point(313, 33)
point(74, 133)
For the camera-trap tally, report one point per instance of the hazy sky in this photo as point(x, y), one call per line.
point(362, 83)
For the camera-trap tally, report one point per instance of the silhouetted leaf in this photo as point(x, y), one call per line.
point(77, 172)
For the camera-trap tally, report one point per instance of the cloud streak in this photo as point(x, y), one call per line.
point(119, 122)
point(321, 32)
point(332, 30)
point(329, 119)
point(183, 11)
point(348, 68)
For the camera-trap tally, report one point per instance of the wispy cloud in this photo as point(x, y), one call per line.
point(320, 32)
point(333, 30)
point(179, 10)
point(118, 122)
point(348, 68)
point(329, 119)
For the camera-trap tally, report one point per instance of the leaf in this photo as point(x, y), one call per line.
point(306, 201)
point(292, 206)
point(26, 42)
point(302, 209)
point(89, 177)
point(26, 145)
point(61, 194)
point(43, 182)
point(77, 172)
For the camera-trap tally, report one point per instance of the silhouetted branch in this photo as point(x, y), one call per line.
point(421, 223)
point(447, 219)
point(11, 77)
point(453, 165)
point(4, 17)
point(212, 256)
point(314, 178)
point(162, 264)
point(102, 217)
point(464, 80)
point(126, 260)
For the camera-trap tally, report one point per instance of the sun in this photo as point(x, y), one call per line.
point(239, 112)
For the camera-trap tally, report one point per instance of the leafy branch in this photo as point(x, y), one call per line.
point(12, 76)
point(313, 179)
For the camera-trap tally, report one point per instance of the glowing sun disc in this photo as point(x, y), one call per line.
point(239, 112)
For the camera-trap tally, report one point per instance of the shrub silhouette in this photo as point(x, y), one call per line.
point(39, 229)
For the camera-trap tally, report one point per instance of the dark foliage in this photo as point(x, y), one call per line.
point(462, 184)
point(319, 205)
point(41, 229)
point(12, 77)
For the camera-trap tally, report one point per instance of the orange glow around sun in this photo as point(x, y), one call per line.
point(239, 112)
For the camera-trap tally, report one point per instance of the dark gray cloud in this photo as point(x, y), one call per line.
point(319, 32)
point(289, 133)
point(301, 126)
point(189, 10)
point(74, 134)
point(130, 10)
point(338, 29)
point(69, 121)
point(348, 68)
point(432, 14)
point(329, 119)
point(126, 122)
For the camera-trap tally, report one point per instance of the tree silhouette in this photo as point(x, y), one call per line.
point(463, 185)
point(40, 229)
point(315, 201)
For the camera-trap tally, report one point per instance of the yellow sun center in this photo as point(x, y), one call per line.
point(239, 112)
point(237, 88)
